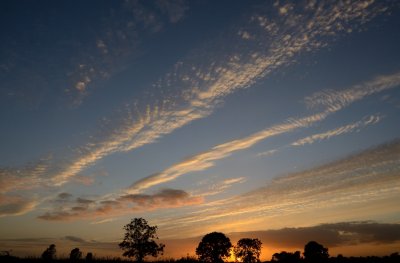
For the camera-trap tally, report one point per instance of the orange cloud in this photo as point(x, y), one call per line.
point(11, 205)
point(124, 204)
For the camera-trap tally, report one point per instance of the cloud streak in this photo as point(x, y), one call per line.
point(373, 119)
point(24, 178)
point(333, 102)
point(221, 187)
point(353, 127)
point(12, 205)
point(364, 178)
point(277, 41)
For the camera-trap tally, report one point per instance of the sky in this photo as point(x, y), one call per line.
point(277, 120)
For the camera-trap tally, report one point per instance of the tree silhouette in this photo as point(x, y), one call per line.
point(315, 252)
point(286, 257)
point(248, 250)
point(89, 256)
point(75, 254)
point(213, 247)
point(139, 240)
point(49, 253)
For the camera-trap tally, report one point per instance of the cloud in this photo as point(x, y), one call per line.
point(229, 182)
point(164, 198)
point(332, 99)
point(85, 180)
point(207, 159)
point(203, 86)
point(24, 178)
point(119, 41)
point(333, 103)
point(84, 201)
point(330, 235)
point(174, 9)
point(221, 186)
point(350, 184)
point(64, 195)
point(121, 205)
point(75, 239)
point(12, 205)
point(351, 238)
point(373, 119)
point(55, 216)
point(268, 153)
point(353, 127)
point(273, 46)
point(102, 221)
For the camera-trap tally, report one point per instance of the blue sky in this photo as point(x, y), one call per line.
point(199, 116)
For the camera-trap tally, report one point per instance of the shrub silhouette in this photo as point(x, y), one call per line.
point(139, 240)
point(49, 253)
point(213, 247)
point(315, 252)
point(75, 254)
point(248, 250)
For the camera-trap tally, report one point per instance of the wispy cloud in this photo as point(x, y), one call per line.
point(367, 177)
point(373, 119)
point(75, 239)
point(23, 178)
point(268, 153)
point(353, 127)
point(107, 220)
point(333, 104)
point(221, 187)
point(278, 39)
point(175, 10)
point(11, 205)
point(119, 41)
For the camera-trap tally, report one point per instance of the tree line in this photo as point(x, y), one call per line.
point(140, 241)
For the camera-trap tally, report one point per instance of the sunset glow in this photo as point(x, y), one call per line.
point(276, 120)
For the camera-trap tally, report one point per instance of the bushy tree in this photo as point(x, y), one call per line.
point(139, 240)
point(75, 254)
point(89, 256)
point(49, 253)
point(286, 257)
point(248, 250)
point(213, 247)
point(315, 252)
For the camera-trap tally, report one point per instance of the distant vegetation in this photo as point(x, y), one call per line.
point(139, 242)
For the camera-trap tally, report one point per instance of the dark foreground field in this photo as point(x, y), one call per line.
point(393, 258)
